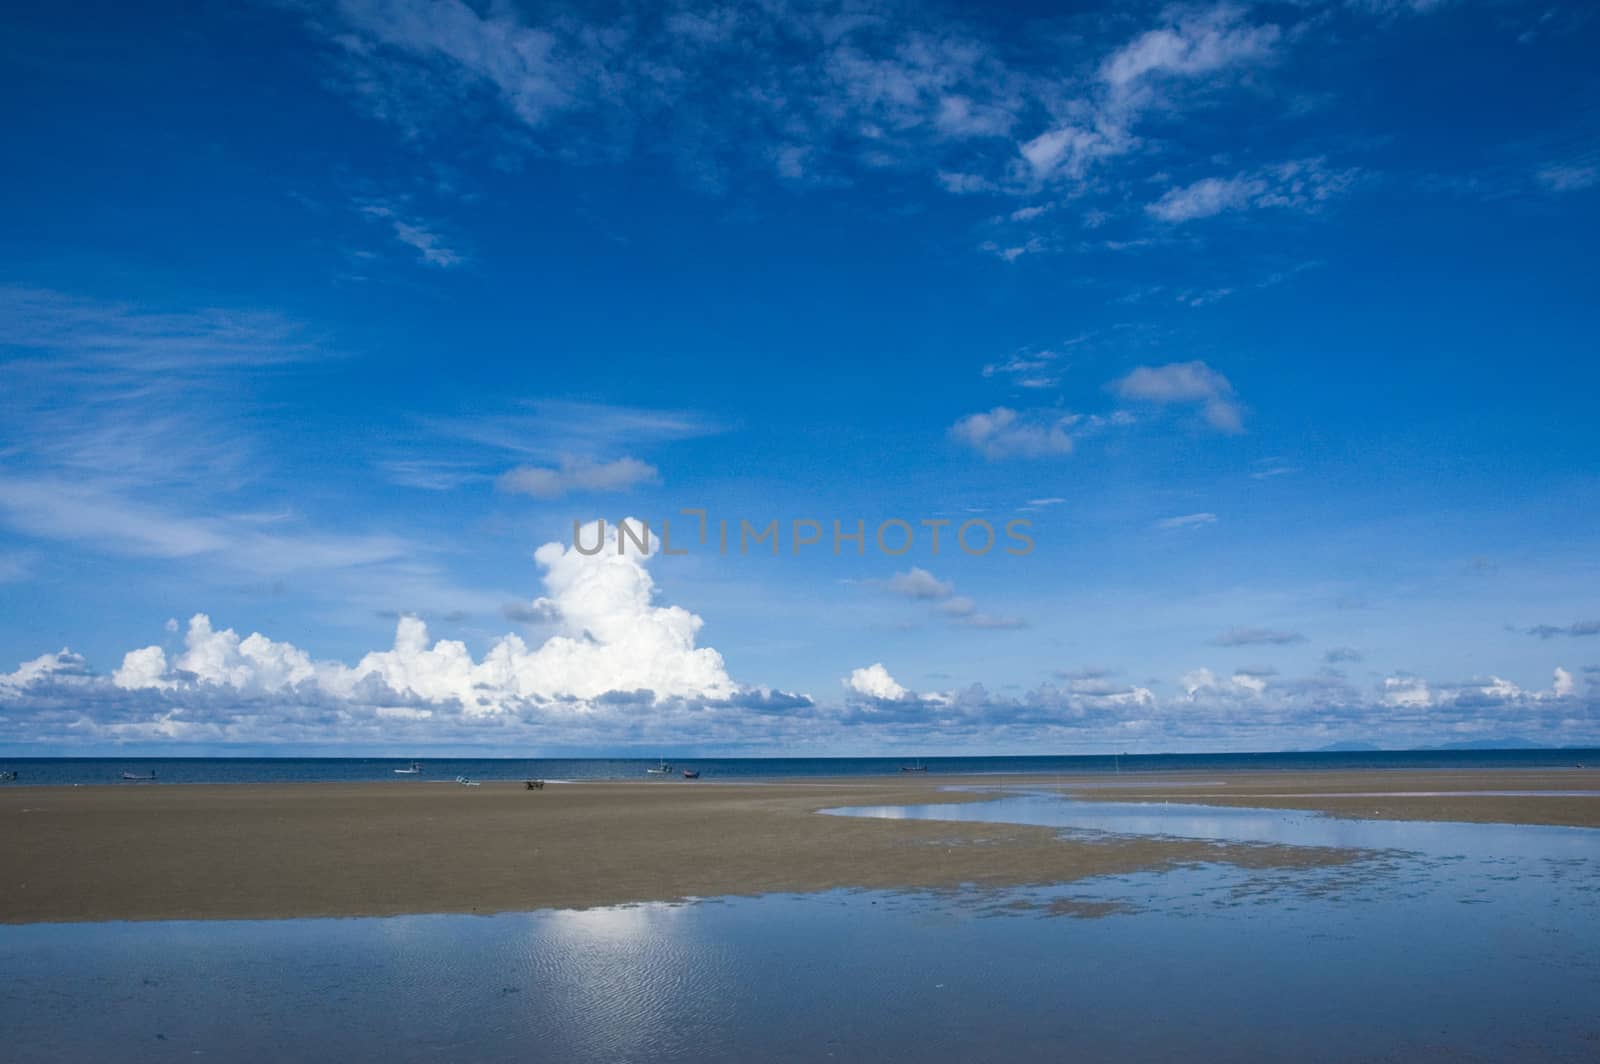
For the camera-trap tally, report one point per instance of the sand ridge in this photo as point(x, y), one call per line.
point(248, 851)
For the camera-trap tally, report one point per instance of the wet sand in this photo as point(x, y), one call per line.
point(291, 850)
point(1481, 797)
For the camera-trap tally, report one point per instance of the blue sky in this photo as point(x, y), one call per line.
point(1275, 321)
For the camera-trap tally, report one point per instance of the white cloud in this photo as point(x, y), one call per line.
point(1033, 245)
point(1206, 197)
point(874, 681)
point(429, 245)
point(918, 583)
point(959, 116)
point(1187, 521)
point(147, 667)
point(1406, 691)
point(1301, 184)
point(1393, 8)
point(56, 700)
point(1027, 369)
point(1569, 178)
point(1252, 682)
point(454, 49)
point(42, 668)
point(1247, 637)
point(1272, 467)
point(611, 638)
point(975, 619)
point(430, 475)
point(578, 475)
point(1006, 433)
point(251, 665)
point(1185, 383)
point(958, 606)
point(1069, 151)
point(542, 428)
point(1200, 43)
point(1196, 681)
point(963, 184)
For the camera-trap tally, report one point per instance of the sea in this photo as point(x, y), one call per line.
point(88, 771)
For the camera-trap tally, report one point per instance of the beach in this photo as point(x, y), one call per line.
point(373, 849)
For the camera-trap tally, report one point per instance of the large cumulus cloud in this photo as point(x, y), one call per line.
point(611, 637)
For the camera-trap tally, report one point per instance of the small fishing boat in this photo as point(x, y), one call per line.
point(662, 769)
point(918, 767)
point(414, 769)
point(691, 773)
point(134, 777)
point(466, 782)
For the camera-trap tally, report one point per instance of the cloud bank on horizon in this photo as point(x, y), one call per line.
point(618, 669)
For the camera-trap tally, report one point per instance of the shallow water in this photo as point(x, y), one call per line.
point(1481, 942)
point(1238, 824)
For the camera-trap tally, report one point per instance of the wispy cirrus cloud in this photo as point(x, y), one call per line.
point(430, 246)
point(1198, 520)
point(831, 92)
point(1568, 177)
point(138, 432)
point(827, 89)
point(1270, 468)
point(547, 428)
point(1031, 368)
point(79, 332)
point(67, 511)
point(105, 392)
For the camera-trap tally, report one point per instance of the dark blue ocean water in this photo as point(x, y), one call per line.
point(82, 771)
